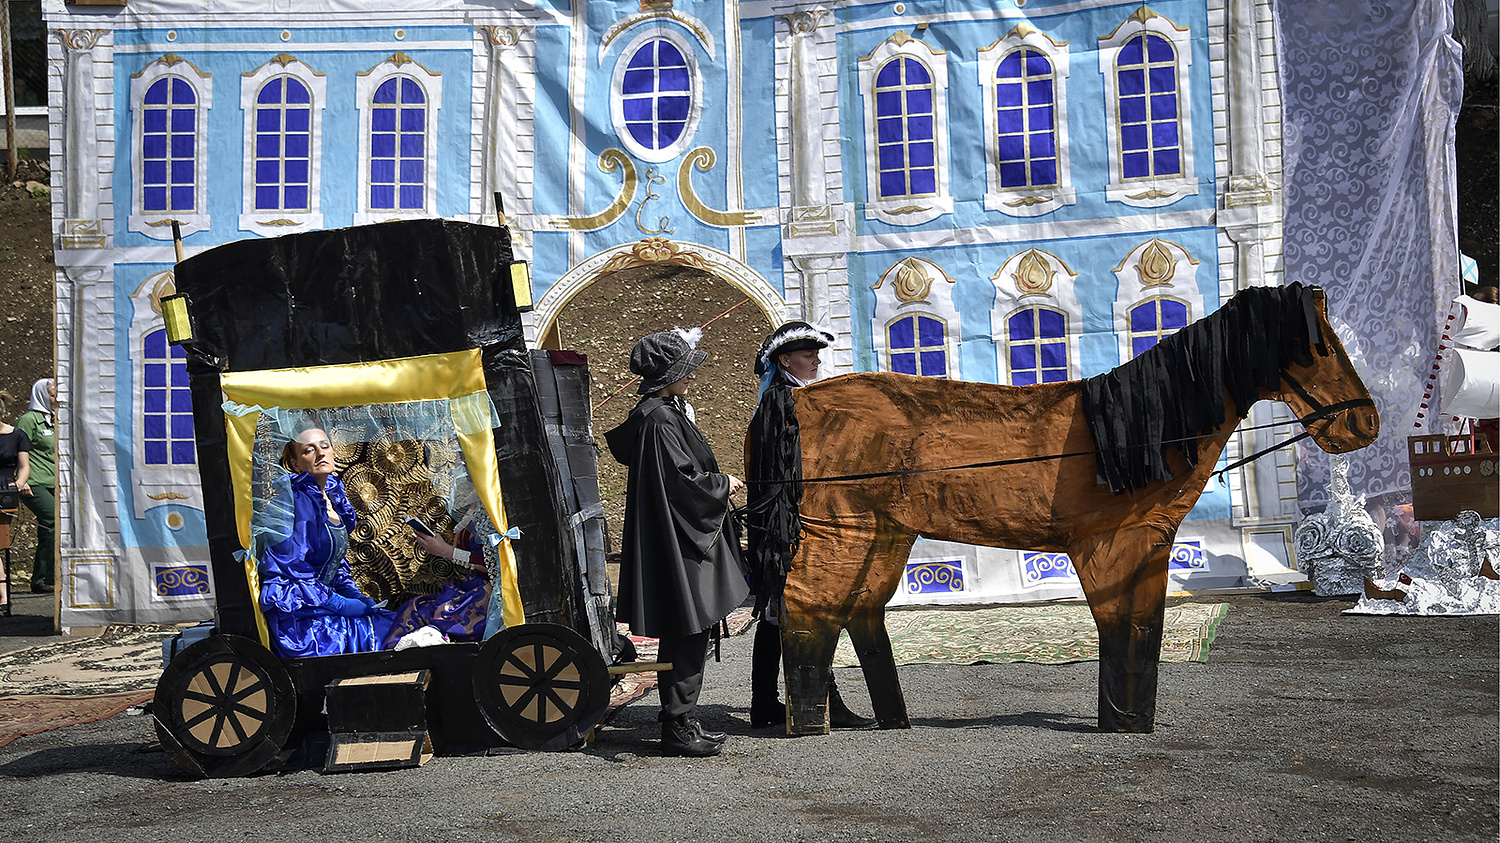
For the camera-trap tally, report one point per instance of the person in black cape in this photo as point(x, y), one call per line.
point(773, 466)
point(680, 565)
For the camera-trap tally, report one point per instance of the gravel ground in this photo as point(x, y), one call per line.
point(1304, 725)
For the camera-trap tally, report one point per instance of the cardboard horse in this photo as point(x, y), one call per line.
point(1104, 470)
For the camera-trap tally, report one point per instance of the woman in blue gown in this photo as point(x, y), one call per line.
point(309, 598)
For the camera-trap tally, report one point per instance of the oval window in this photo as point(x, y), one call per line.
point(655, 106)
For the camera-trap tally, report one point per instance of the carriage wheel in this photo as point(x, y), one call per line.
point(224, 707)
point(541, 686)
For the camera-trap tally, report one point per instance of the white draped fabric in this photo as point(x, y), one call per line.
point(1371, 89)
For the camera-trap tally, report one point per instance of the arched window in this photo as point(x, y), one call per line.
point(169, 146)
point(656, 94)
point(1025, 120)
point(1037, 346)
point(905, 131)
point(1153, 319)
point(398, 146)
point(166, 404)
point(1150, 138)
point(283, 143)
point(918, 345)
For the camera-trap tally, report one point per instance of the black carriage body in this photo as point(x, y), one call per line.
point(381, 292)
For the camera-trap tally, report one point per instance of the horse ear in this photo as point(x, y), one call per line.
point(1320, 303)
point(1320, 300)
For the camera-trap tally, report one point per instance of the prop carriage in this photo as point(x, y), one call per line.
point(404, 341)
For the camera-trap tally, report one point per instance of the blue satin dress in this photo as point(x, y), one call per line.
point(300, 573)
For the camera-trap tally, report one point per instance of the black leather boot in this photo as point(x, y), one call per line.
point(766, 707)
point(680, 738)
point(839, 715)
point(711, 737)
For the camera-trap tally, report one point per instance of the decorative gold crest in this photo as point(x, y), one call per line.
point(1033, 275)
point(912, 282)
point(1156, 265)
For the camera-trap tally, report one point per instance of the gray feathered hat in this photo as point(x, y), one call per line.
point(665, 357)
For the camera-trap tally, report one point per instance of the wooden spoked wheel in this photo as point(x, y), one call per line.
point(541, 686)
point(224, 706)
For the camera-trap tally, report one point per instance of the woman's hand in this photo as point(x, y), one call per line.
point(434, 545)
point(735, 484)
point(25, 490)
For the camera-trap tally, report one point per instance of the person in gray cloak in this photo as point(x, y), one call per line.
point(680, 565)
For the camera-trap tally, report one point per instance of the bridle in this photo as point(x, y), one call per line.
point(1320, 412)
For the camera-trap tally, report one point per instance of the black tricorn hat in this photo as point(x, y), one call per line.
point(665, 357)
point(793, 336)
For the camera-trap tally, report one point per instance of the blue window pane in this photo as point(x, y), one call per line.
point(673, 109)
point(297, 119)
point(1164, 107)
point(182, 453)
point(182, 92)
point(267, 172)
point(1012, 148)
point(1167, 162)
point(668, 133)
point(266, 198)
point(156, 453)
point(916, 72)
point(1022, 326)
point(154, 146)
point(930, 331)
point(1039, 92)
point(155, 172)
point(1132, 52)
point(383, 120)
point(1013, 174)
point(889, 130)
point(412, 145)
point(296, 92)
point(919, 101)
point(154, 198)
point(183, 119)
point(182, 146)
point(155, 401)
point(1141, 344)
point(1054, 355)
point(890, 157)
point(1132, 82)
point(905, 363)
point(383, 145)
point(1137, 165)
point(642, 58)
point(668, 54)
point(411, 196)
point(270, 92)
point(1163, 79)
point(1054, 375)
point(1022, 377)
point(1158, 49)
point(155, 374)
point(1037, 64)
point(411, 92)
point(157, 93)
point(382, 171)
point(902, 334)
point(923, 182)
point(889, 75)
point(182, 173)
point(297, 146)
point(1053, 323)
point(411, 172)
point(1173, 315)
point(1164, 134)
point(922, 155)
point(267, 146)
point(1010, 66)
point(1008, 121)
point(296, 198)
point(1022, 357)
point(1010, 95)
point(636, 111)
point(413, 119)
point(154, 426)
point(182, 426)
point(386, 92)
point(893, 184)
point(934, 364)
point(182, 198)
point(887, 103)
point(1042, 146)
point(156, 344)
point(638, 82)
point(1132, 109)
point(642, 133)
point(1143, 317)
point(296, 172)
point(154, 120)
point(382, 196)
point(673, 79)
point(919, 128)
point(1133, 137)
point(1040, 119)
point(179, 353)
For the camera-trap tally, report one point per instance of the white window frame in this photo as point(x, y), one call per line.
point(1027, 201)
point(915, 286)
point(158, 224)
point(907, 210)
point(617, 106)
point(273, 223)
point(1181, 283)
point(365, 85)
point(1148, 192)
point(154, 485)
point(1056, 291)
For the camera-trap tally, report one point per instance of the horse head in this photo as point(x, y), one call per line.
point(1327, 395)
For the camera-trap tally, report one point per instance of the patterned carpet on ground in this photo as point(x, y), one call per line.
point(1053, 633)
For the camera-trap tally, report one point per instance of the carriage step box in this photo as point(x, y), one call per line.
point(1452, 473)
point(378, 722)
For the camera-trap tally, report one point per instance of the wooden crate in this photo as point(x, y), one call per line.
point(1450, 474)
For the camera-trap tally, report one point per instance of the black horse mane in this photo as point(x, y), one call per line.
point(1175, 391)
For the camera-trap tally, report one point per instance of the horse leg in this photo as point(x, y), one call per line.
point(868, 633)
point(807, 655)
point(1124, 577)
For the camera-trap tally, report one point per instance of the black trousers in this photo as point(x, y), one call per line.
point(679, 686)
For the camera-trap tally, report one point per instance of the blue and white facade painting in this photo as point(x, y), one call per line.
point(1010, 191)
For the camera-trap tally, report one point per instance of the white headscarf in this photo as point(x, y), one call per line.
point(41, 397)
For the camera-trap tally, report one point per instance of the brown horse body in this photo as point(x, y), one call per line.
point(858, 533)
